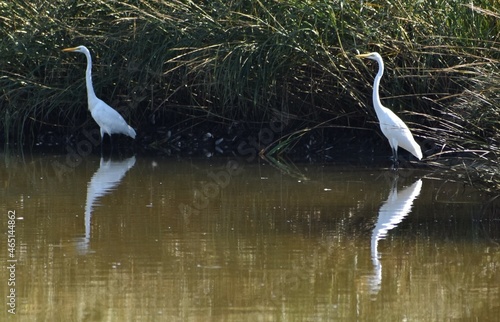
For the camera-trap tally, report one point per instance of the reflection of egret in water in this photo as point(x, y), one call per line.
point(106, 178)
point(392, 212)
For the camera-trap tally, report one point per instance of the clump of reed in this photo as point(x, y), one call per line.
point(470, 126)
point(161, 62)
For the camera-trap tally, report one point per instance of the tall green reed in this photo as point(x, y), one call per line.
point(226, 61)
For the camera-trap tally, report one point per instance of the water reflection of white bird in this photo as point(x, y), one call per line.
point(392, 212)
point(104, 180)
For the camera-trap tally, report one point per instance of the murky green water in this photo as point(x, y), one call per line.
point(155, 239)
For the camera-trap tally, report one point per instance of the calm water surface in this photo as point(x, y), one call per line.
point(170, 239)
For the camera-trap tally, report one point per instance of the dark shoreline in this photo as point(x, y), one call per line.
point(315, 145)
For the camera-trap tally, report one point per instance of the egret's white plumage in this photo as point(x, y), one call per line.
point(108, 119)
point(394, 129)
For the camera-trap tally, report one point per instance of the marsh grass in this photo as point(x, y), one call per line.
point(164, 62)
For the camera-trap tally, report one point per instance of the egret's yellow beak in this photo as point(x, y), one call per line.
point(70, 49)
point(363, 55)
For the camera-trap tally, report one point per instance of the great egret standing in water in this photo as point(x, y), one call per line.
point(108, 119)
point(394, 129)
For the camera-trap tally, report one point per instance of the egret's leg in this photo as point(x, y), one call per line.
point(102, 140)
point(395, 161)
point(394, 147)
point(111, 142)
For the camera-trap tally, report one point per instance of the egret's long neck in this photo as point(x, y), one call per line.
point(88, 79)
point(376, 84)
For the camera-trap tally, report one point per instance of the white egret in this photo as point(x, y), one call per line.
point(394, 129)
point(108, 119)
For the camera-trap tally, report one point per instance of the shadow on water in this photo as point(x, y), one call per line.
point(225, 239)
